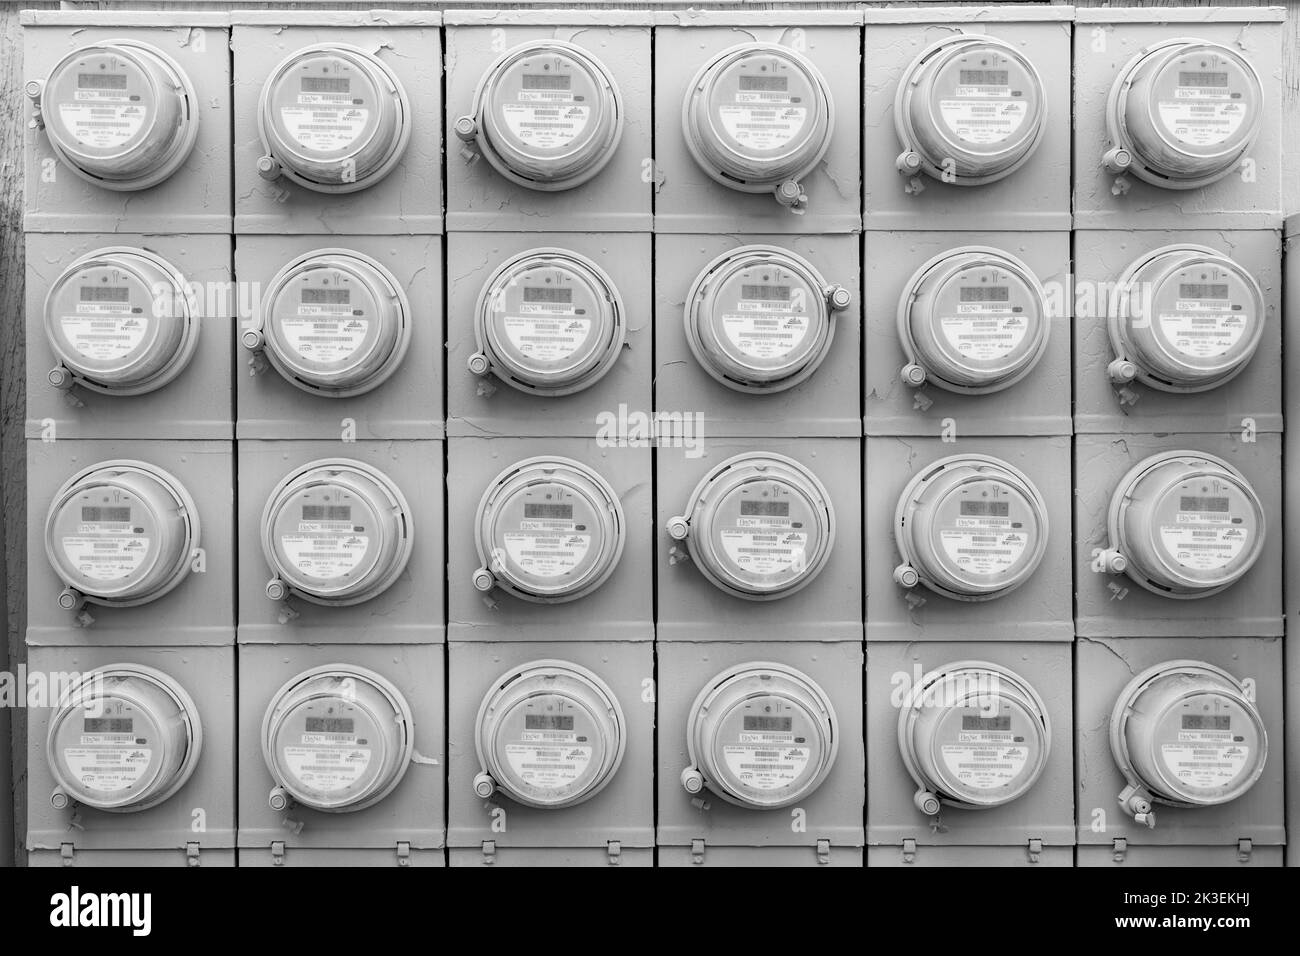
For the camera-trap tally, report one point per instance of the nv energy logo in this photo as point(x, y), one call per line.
point(77, 909)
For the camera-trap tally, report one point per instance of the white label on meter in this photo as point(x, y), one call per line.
point(771, 551)
point(320, 336)
point(547, 337)
point(109, 762)
point(984, 545)
point(325, 549)
point(983, 116)
point(546, 125)
point(546, 554)
point(548, 765)
point(1204, 540)
point(102, 119)
point(766, 761)
point(760, 126)
point(983, 330)
point(326, 767)
point(104, 331)
point(985, 760)
point(1202, 116)
point(766, 331)
point(324, 122)
point(1202, 329)
point(105, 551)
point(1206, 758)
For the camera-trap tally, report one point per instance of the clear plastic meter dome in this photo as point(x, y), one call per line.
point(973, 735)
point(757, 118)
point(1184, 318)
point(759, 526)
point(548, 322)
point(1185, 734)
point(972, 320)
point(122, 738)
point(120, 113)
point(121, 321)
point(761, 319)
point(332, 118)
point(335, 532)
point(760, 735)
point(1183, 113)
point(336, 738)
point(120, 533)
point(549, 734)
point(334, 323)
point(971, 108)
point(547, 115)
point(970, 527)
point(1184, 524)
point(549, 530)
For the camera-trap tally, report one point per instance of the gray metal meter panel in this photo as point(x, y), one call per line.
point(548, 120)
point(1178, 534)
point(345, 334)
point(549, 333)
point(335, 123)
point(123, 550)
point(757, 126)
point(1177, 124)
point(549, 539)
point(127, 106)
point(1148, 710)
point(135, 742)
point(551, 745)
point(972, 128)
point(974, 331)
point(294, 714)
point(931, 506)
point(1015, 699)
point(760, 539)
point(1209, 356)
point(338, 541)
point(770, 682)
point(128, 336)
point(759, 334)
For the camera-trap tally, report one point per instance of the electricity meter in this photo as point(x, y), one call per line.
point(120, 533)
point(761, 319)
point(759, 526)
point(758, 117)
point(1185, 734)
point(336, 738)
point(334, 323)
point(332, 118)
point(122, 738)
point(548, 322)
point(550, 734)
point(1183, 113)
point(760, 735)
point(1184, 318)
point(547, 115)
point(973, 735)
point(1184, 524)
point(972, 320)
point(121, 321)
point(549, 530)
point(970, 527)
point(120, 114)
point(970, 110)
point(335, 532)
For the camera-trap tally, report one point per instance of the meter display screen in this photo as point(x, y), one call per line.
point(766, 509)
point(984, 77)
point(108, 725)
point(1203, 290)
point(986, 509)
point(546, 81)
point(1186, 503)
point(985, 293)
point(317, 296)
point(326, 84)
point(105, 293)
point(553, 511)
point(533, 293)
point(974, 722)
point(100, 513)
point(101, 81)
point(769, 84)
point(1207, 722)
point(1202, 79)
point(327, 513)
point(771, 293)
point(548, 722)
point(330, 725)
point(769, 725)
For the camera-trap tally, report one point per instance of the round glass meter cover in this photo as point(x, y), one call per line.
point(1207, 746)
point(1206, 98)
point(1207, 526)
point(551, 747)
point(550, 535)
point(330, 536)
point(331, 749)
point(985, 531)
point(768, 748)
point(987, 750)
